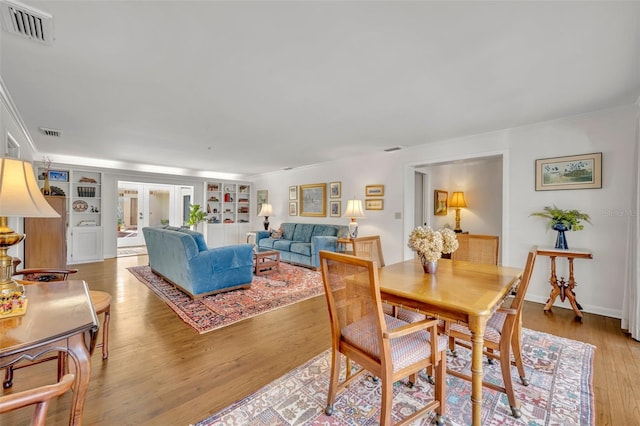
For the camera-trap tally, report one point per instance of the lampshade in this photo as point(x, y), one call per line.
point(266, 210)
point(19, 191)
point(354, 209)
point(457, 200)
point(19, 196)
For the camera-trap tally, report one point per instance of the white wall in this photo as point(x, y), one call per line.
point(611, 132)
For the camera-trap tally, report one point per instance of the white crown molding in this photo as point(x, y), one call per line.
point(11, 108)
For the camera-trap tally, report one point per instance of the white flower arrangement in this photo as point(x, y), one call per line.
point(430, 244)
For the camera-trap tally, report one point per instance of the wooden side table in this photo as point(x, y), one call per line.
point(342, 245)
point(265, 261)
point(562, 288)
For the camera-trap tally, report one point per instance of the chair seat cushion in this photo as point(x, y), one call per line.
point(492, 332)
point(404, 314)
point(405, 350)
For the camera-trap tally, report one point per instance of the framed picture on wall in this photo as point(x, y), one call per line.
point(293, 208)
point(440, 202)
point(313, 200)
point(374, 204)
point(335, 208)
point(374, 190)
point(573, 172)
point(293, 192)
point(262, 197)
point(335, 190)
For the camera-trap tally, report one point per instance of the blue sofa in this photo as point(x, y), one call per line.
point(300, 243)
point(181, 256)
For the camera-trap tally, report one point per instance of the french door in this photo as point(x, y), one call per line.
point(146, 204)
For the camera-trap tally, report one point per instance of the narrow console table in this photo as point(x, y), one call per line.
point(562, 288)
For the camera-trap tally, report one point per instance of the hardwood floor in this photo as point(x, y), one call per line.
point(161, 372)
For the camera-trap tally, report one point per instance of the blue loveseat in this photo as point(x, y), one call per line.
point(182, 257)
point(300, 243)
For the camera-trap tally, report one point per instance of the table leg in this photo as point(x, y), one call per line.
point(553, 280)
point(477, 327)
point(81, 367)
point(570, 294)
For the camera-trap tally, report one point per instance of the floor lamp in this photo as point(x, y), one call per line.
point(20, 196)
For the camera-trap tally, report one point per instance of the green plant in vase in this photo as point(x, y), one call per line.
point(196, 216)
point(562, 220)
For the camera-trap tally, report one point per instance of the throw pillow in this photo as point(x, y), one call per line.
point(276, 234)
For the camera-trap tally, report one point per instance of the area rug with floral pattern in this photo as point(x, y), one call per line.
point(288, 285)
point(560, 392)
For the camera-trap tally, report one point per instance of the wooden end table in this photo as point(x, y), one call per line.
point(265, 261)
point(560, 287)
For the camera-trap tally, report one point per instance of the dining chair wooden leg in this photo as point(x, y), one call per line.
point(505, 367)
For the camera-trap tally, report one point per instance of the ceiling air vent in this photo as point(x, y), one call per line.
point(27, 22)
point(395, 148)
point(50, 132)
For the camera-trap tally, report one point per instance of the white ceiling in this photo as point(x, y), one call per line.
point(251, 87)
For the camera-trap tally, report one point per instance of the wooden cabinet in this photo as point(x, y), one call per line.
point(45, 244)
point(228, 206)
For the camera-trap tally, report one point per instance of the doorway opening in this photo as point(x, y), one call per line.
point(148, 205)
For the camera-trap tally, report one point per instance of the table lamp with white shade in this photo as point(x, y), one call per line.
point(20, 196)
point(266, 211)
point(354, 211)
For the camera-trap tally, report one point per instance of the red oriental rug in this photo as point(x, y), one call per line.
point(289, 285)
point(560, 392)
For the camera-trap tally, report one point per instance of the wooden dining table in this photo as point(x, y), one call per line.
point(59, 317)
point(464, 292)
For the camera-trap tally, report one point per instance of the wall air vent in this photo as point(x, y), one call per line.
point(50, 132)
point(27, 22)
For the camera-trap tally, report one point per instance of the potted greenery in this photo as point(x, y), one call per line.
point(196, 216)
point(563, 220)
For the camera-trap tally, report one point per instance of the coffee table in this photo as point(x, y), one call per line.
point(265, 261)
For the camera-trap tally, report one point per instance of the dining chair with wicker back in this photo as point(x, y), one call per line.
point(387, 347)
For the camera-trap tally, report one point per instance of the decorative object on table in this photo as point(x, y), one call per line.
point(313, 200)
point(293, 208)
point(440, 202)
point(266, 211)
point(430, 245)
point(293, 192)
point(335, 208)
point(374, 190)
point(85, 179)
point(79, 206)
point(196, 216)
point(563, 220)
point(20, 196)
point(374, 204)
point(354, 211)
point(54, 190)
point(457, 202)
point(46, 188)
point(335, 190)
point(573, 172)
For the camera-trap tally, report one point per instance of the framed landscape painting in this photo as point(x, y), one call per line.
point(313, 200)
point(440, 202)
point(573, 172)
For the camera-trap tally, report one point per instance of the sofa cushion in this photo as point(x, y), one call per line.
point(281, 244)
point(287, 230)
point(266, 242)
point(324, 231)
point(200, 242)
point(303, 232)
point(300, 248)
